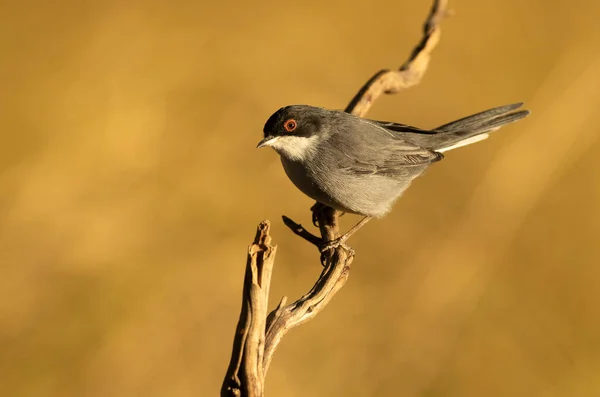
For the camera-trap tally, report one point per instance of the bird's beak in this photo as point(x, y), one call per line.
point(267, 141)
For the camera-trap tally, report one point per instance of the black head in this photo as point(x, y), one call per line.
point(296, 120)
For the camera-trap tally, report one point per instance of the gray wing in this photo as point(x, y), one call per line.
point(397, 127)
point(370, 148)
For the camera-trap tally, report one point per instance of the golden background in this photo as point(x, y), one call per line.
point(130, 188)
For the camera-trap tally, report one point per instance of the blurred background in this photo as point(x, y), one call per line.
point(130, 188)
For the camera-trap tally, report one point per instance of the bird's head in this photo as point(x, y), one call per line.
point(295, 131)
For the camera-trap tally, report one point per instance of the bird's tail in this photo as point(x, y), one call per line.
point(476, 127)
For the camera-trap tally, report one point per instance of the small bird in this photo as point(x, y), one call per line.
point(363, 166)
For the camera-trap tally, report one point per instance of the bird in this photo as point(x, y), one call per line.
point(362, 166)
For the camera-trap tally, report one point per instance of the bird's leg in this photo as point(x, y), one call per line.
point(316, 209)
point(342, 239)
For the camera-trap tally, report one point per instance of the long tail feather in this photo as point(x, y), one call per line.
point(467, 123)
point(474, 128)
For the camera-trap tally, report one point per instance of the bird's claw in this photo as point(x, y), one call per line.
point(327, 249)
point(315, 219)
point(333, 244)
point(316, 211)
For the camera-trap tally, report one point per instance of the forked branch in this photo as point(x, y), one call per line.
point(258, 335)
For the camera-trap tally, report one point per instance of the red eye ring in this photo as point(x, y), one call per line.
point(290, 125)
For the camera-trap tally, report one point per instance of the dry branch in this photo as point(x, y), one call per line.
point(257, 336)
point(245, 375)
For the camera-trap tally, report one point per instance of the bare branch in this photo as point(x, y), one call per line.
point(299, 230)
point(257, 336)
point(245, 375)
point(410, 73)
point(281, 320)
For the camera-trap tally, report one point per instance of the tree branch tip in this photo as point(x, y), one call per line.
point(281, 303)
point(288, 221)
point(438, 13)
point(263, 237)
point(301, 231)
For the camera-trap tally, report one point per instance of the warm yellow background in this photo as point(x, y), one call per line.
point(130, 187)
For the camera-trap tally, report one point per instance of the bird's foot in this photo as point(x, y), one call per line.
point(327, 249)
point(333, 244)
point(316, 211)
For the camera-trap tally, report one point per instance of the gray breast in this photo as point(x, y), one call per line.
point(371, 195)
point(314, 186)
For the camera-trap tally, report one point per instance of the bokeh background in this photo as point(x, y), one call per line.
point(130, 188)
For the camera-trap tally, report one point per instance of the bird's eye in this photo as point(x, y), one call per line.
point(290, 125)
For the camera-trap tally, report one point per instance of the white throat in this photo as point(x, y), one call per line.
point(294, 147)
